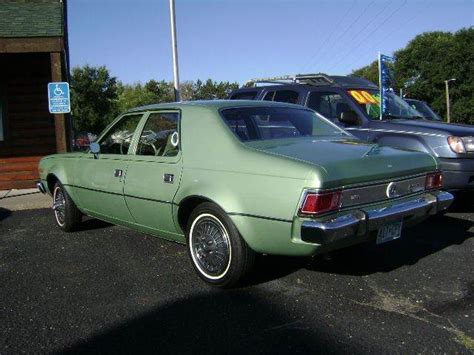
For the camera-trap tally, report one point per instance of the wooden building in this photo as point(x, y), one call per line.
point(33, 52)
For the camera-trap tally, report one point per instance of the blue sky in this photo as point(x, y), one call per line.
point(241, 39)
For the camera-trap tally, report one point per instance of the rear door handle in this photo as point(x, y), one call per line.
point(168, 178)
point(118, 173)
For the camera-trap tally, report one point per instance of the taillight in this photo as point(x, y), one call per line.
point(317, 203)
point(434, 181)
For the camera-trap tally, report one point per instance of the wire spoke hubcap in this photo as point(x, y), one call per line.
point(210, 246)
point(59, 205)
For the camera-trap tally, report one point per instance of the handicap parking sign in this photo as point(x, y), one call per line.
point(58, 97)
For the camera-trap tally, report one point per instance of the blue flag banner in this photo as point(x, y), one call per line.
point(386, 81)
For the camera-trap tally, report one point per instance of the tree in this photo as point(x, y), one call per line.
point(426, 62)
point(211, 90)
point(93, 98)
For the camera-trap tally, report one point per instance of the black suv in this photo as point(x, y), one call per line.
point(353, 103)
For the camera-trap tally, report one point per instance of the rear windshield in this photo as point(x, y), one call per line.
point(263, 123)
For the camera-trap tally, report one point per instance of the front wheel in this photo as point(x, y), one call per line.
point(220, 256)
point(66, 213)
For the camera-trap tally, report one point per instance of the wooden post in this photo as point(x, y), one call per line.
point(59, 119)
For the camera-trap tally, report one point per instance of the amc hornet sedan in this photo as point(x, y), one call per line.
point(234, 178)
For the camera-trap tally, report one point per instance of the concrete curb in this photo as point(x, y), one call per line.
point(25, 199)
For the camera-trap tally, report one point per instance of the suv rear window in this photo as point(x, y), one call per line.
point(288, 96)
point(245, 95)
point(262, 123)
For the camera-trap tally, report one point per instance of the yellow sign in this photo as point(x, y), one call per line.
point(363, 97)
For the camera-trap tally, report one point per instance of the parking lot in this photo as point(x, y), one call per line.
point(110, 289)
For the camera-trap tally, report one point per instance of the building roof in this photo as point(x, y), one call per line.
point(31, 18)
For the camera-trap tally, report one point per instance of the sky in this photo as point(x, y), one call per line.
point(236, 40)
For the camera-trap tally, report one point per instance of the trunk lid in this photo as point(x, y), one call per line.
point(347, 162)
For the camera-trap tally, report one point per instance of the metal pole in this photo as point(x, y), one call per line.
point(447, 101)
point(174, 43)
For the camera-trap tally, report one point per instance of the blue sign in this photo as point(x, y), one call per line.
point(58, 97)
point(386, 81)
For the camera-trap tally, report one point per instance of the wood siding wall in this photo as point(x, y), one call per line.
point(29, 128)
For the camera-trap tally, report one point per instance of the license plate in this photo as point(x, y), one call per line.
point(389, 232)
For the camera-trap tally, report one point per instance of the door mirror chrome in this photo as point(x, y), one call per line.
point(350, 118)
point(95, 149)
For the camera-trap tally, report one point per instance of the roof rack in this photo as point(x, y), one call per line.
point(318, 79)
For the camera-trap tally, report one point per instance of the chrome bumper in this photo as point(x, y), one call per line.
point(41, 187)
point(363, 221)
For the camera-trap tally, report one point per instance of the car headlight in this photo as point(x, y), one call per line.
point(456, 144)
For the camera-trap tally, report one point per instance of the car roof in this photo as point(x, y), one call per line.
point(213, 104)
point(332, 81)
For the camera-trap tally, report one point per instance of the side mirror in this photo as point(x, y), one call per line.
point(95, 149)
point(349, 118)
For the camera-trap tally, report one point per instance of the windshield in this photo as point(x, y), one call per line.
point(424, 109)
point(369, 101)
point(262, 123)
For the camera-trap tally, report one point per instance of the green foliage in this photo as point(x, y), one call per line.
point(97, 97)
point(211, 90)
point(426, 62)
point(139, 95)
point(93, 98)
point(369, 72)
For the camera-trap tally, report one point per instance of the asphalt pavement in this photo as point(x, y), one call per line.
point(107, 289)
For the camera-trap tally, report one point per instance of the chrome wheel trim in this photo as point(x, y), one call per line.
point(59, 206)
point(208, 242)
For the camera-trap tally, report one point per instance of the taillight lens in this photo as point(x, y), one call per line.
point(434, 181)
point(317, 203)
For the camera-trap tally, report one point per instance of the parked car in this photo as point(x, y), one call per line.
point(231, 179)
point(423, 108)
point(353, 104)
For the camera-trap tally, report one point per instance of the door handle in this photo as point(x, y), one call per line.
point(168, 178)
point(118, 173)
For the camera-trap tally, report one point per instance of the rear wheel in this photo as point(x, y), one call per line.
point(220, 256)
point(66, 214)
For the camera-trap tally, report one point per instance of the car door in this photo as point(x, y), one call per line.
point(101, 176)
point(154, 173)
point(332, 104)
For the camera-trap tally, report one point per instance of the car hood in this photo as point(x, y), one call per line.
point(452, 129)
point(347, 162)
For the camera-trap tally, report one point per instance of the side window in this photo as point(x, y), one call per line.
point(328, 104)
point(160, 135)
point(246, 95)
point(289, 96)
point(269, 96)
point(118, 138)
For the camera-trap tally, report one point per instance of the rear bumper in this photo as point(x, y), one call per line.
point(458, 174)
point(41, 187)
point(356, 226)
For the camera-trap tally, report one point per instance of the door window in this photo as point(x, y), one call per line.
point(328, 104)
point(160, 136)
point(118, 139)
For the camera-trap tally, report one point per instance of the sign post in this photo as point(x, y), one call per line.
point(58, 97)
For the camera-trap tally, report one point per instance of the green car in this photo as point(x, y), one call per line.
point(234, 178)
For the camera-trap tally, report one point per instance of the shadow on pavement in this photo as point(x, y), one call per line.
point(90, 223)
point(4, 213)
point(416, 243)
point(231, 322)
